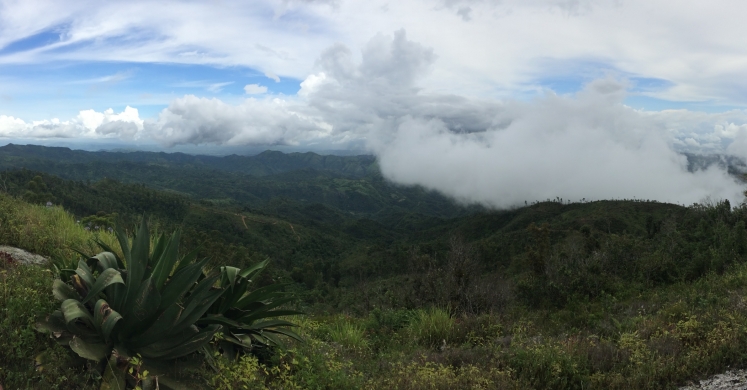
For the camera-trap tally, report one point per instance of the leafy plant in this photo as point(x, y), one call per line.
point(143, 305)
point(248, 317)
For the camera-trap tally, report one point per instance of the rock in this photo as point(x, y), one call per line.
point(23, 257)
point(730, 380)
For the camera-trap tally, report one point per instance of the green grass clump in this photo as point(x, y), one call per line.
point(48, 231)
point(349, 335)
point(431, 327)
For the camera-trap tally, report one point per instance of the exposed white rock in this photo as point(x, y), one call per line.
point(22, 256)
point(730, 380)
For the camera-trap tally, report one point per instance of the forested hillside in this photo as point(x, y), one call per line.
point(412, 290)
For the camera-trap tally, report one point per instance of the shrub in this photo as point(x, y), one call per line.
point(145, 304)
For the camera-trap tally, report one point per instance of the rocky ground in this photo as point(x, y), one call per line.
point(21, 256)
point(730, 380)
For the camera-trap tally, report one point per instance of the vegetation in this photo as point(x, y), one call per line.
point(625, 294)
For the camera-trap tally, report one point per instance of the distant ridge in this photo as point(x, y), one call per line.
point(263, 164)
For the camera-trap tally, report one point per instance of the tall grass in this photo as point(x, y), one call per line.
point(48, 231)
point(431, 327)
point(349, 335)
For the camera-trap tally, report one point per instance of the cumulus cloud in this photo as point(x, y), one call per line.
point(194, 120)
point(87, 124)
point(255, 89)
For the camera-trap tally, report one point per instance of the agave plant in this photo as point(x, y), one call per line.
point(145, 304)
point(249, 318)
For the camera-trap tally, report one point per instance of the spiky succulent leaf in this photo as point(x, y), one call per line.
point(136, 266)
point(258, 295)
point(72, 309)
point(106, 260)
point(196, 306)
point(87, 350)
point(62, 291)
point(162, 327)
point(166, 260)
point(85, 273)
point(181, 282)
point(184, 347)
point(105, 319)
point(144, 310)
point(108, 277)
point(254, 270)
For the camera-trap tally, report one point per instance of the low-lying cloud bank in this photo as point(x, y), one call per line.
point(500, 153)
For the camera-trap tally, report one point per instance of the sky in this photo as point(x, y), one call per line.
point(494, 102)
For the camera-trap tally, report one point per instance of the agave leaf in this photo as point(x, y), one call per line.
point(285, 332)
point(85, 273)
point(124, 244)
point(144, 310)
point(136, 265)
point(159, 244)
point(54, 322)
point(105, 318)
point(179, 284)
point(254, 270)
point(167, 342)
point(274, 313)
point(259, 294)
point(187, 259)
point(107, 248)
point(107, 328)
point(106, 260)
point(201, 307)
point(271, 337)
point(229, 275)
point(242, 340)
point(108, 277)
point(270, 324)
point(265, 312)
point(218, 319)
point(190, 345)
point(63, 291)
point(162, 327)
point(91, 351)
point(72, 309)
point(166, 261)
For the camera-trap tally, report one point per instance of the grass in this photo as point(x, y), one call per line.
point(349, 335)
point(48, 231)
point(432, 327)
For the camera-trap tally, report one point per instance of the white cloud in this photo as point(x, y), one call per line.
point(217, 87)
point(507, 47)
point(87, 124)
point(272, 76)
point(255, 89)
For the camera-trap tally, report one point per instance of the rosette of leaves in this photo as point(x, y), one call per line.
point(249, 316)
point(145, 305)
